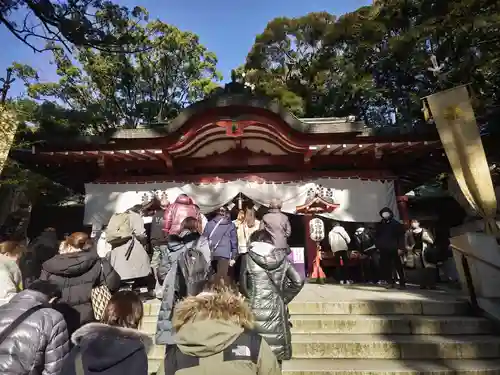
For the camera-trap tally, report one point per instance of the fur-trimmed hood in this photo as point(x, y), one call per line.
point(107, 346)
point(208, 323)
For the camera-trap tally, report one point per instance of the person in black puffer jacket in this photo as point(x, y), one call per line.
point(269, 282)
point(76, 270)
point(364, 244)
point(40, 342)
point(114, 346)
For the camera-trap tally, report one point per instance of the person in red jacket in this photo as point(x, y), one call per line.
point(182, 208)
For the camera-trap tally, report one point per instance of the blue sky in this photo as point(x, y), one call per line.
point(225, 27)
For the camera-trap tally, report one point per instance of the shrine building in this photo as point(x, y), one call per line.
point(237, 144)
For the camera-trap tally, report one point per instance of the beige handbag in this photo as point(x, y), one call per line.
point(409, 259)
point(100, 297)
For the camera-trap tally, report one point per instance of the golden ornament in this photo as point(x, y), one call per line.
point(452, 113)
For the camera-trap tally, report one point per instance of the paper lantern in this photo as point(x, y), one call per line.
point(316, 229)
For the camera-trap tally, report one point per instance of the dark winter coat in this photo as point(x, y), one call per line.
point(263, 270)
point(158, 235)
point(390, 233)
point(225, 236)
point(39, 251)
point(363, 239)
point(76, 274)
point(39, 344)
point(109, 350)
point(278, 225)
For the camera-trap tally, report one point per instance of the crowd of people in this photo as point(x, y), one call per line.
point(75, 306)
point(384, 251)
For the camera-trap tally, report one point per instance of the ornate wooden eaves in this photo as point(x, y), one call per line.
point(316, 205)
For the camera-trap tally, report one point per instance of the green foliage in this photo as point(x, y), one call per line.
point(14, 176)
point(97, 90)
point(99, 24)
point(374, 62)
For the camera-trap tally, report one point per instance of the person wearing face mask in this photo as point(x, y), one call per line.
point(419, 242)
point(389, 240)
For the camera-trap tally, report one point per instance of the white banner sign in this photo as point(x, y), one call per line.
point(358, 200)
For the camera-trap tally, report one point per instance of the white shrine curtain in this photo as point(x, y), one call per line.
point(358, 200)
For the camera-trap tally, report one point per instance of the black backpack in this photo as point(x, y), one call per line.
point(365, 240)
point(193, 272)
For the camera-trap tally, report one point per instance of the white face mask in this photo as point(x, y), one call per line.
point(386, 215)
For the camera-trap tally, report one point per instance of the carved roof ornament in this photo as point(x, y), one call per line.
point(237, 85)
point(164, 196)
point(145, 198)
point(319, 200)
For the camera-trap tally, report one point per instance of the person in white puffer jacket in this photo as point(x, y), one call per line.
point(339, 243)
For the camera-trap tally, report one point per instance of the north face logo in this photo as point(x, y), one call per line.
point(242, 351)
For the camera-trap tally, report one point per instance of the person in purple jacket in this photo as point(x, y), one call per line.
point(223, 242)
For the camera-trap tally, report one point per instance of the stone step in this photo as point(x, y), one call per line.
point(157, 352)
point(154, 365)
point(404, 347)
point(391, 324)
point(393, 347)
point(148, 325)
point(379, 366)
point(390, 367)
point(379, 307)
point(152, 308)
point(370, 324)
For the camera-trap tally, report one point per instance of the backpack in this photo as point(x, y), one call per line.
point(365, 240)
point(194, 271)
point(119, 228)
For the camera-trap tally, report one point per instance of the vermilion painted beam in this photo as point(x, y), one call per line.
point(238, 161)
point(251, 177)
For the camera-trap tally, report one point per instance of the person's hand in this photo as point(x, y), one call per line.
point(232, 262)
point(401, 252)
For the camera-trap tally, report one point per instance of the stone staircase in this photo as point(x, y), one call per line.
point(360, 330)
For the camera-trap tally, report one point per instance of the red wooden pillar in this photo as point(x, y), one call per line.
point(309, 246)
point(402, 201)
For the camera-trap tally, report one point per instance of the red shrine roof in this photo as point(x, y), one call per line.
point(238, 134)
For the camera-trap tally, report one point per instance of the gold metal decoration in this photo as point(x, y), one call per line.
point(452, 113)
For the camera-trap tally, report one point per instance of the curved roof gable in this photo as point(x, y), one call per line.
point(240, 100)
